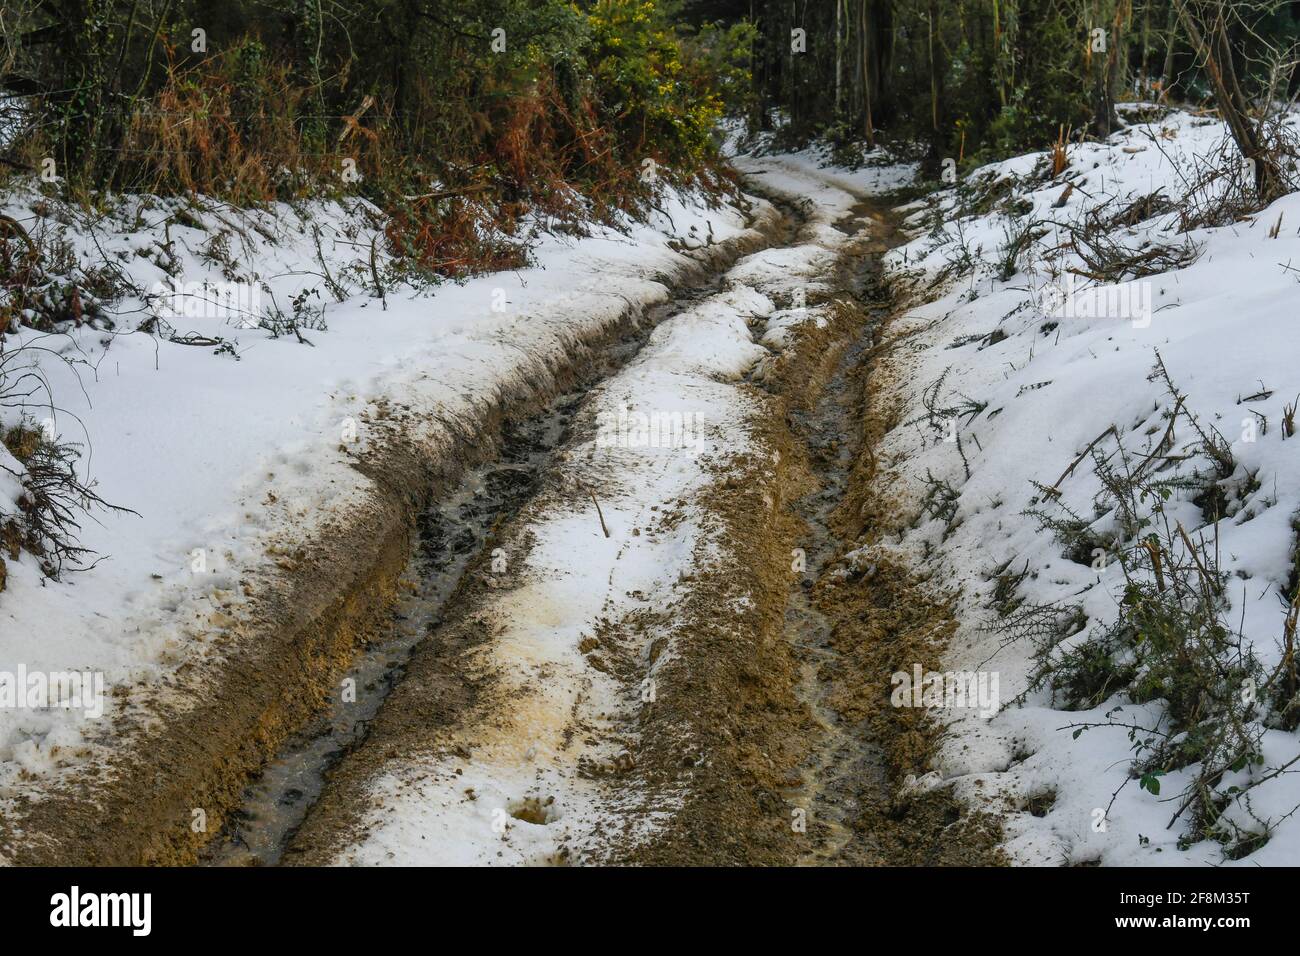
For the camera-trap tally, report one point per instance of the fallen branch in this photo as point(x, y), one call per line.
point(448, 193)
point(1055, 489)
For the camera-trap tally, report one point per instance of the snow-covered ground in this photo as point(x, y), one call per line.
point(1036, 362)
point(231, 450)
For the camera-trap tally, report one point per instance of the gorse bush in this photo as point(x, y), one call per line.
point(652, 99)
point(457, 119)
point(1172, 639)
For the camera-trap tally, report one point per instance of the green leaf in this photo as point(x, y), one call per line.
point(1150, 782)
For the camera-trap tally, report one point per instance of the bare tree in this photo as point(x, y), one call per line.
point(1207, 24)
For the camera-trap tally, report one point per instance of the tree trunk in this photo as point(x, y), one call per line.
point(1171, 42)
point(934, 47)
point(839, 58)
point(1211, 42)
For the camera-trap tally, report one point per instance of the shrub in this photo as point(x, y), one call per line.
point(1171, 640)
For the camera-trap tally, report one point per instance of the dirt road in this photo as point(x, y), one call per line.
point(595, 649)
point(765, 737)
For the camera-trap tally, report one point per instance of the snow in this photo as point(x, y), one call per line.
point(225, 460)
point(230, 459)
point(1063, 368)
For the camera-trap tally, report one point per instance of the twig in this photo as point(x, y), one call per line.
point(1054, 490)
point(599, 513)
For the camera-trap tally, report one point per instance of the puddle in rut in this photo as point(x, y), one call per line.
point(844, 766)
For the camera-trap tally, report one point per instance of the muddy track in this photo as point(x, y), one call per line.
point(807, 762)
point(846, 768)
point(774, 743)
point(410, 677)
point(851, 626)
point(190, 748)
point(444, 695)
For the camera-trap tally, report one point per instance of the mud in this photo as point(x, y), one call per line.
point(793, 753)
point(771, 731)
point(186, 750)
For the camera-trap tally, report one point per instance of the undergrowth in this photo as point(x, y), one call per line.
point(1172, 639)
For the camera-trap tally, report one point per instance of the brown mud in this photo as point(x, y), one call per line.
point(801, 758)
point(185, 751)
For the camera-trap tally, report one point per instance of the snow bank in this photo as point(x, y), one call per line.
point(1034, 362)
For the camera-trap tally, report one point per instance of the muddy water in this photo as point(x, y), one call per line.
point(843, 764)
point(452, 534)
point(844, 767)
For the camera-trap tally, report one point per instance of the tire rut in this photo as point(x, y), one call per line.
point(455, 534)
